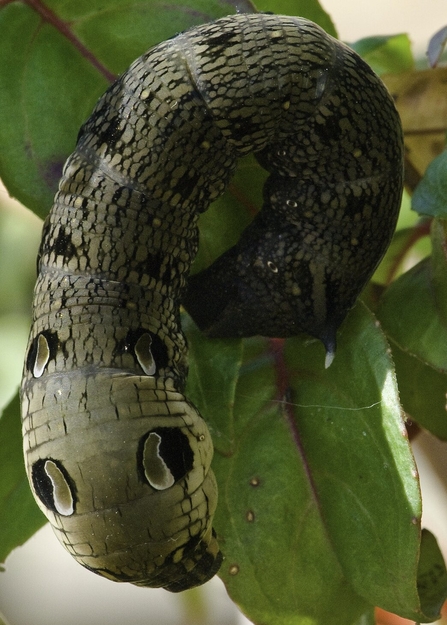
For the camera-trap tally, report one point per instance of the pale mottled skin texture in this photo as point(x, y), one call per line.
point(118, 459)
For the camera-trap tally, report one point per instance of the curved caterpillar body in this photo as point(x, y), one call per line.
point(118, 459)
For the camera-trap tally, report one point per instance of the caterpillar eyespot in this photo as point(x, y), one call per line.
point(53, 486)
point(42, 356)
point(118, 459)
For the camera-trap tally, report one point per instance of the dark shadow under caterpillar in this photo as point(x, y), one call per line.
point(117, 457)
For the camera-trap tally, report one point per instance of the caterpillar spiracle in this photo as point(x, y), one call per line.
point(117, 457)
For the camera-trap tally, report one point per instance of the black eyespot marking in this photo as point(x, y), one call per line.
point(54, 486)
point(164, 457)
point(144, 354)
point(43, 349)
point(150, 351)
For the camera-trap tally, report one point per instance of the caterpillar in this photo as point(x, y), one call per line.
point(117, 457)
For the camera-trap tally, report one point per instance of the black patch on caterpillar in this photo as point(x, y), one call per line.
point(154, 263)
point(187, 184)
point(104, 125)
point(46, 229)
point(60, 245)
point(109, 132)
point(63, 245)
point(44, 486)
point(207, 564)
point(159, 266)
point(220, 39)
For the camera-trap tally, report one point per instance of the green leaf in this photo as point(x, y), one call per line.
point(430, 196)
point(432, 577)
point(439, 265)
point(216, 393)
point(386, 54)
point(423, 392)
point(403, 248)
point(222, 224)
point(414, 314)
point(38, 133)
point(20, 517)
point(413, 310)
point(436, 46)
point(117, 32)
point(303, 456)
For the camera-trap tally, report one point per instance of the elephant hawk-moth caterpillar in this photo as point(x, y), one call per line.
point(118, 459)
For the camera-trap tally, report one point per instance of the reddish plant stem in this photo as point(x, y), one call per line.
point(282, 385)
point(250, 207)
point(420, 230)
point(276, 347)
point(50, 17)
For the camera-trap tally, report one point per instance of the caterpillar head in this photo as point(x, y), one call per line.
point(129, 490)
